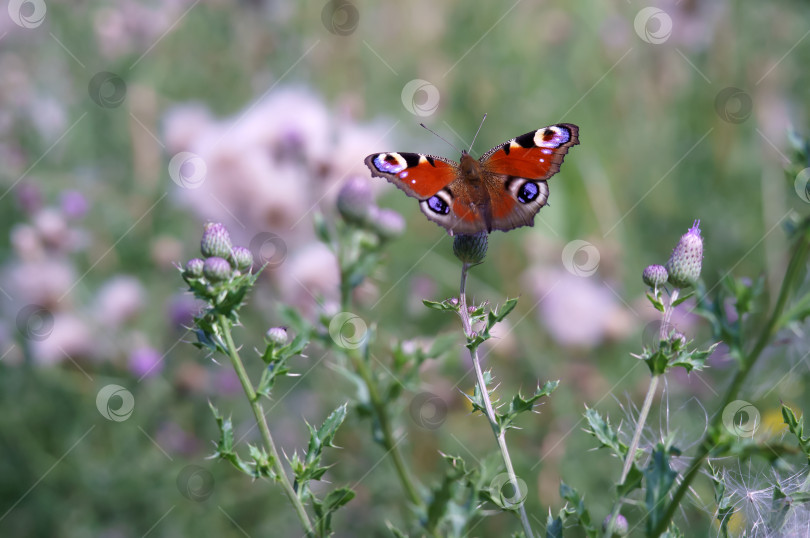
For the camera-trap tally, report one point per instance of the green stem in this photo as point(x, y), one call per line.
point(792, 273)
point(258, 413)
point(500, 435)
point(380, 412)
point(387, 435)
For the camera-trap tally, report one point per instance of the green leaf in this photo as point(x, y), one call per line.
point(520, 405)
point(323, 436)
point(604, 433)
point(442, 495)
point(724, 504)
point(225, 450)
point(577, 508)
point(680, 300)
point(554, 526)
point(656, 302)
point(796, 427)
point(498, 314)
point(322, 231)
point(324, 510)
point(448, 305)
point(659, 478)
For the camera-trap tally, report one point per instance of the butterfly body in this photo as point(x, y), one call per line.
point(502, 190)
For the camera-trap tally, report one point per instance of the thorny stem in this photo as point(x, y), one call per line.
point(258, 412)
point(663, 333)
point(500, 435)
point(792, 273)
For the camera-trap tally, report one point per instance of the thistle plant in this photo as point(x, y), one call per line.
point(222, 280)
point(477, 322)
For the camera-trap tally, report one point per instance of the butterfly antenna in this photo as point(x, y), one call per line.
point(440, 136)
point(478, 131)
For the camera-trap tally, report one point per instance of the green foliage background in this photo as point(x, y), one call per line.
point(655, 154)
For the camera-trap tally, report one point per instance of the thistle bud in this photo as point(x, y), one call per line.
point(620, 526)
point(387, 223)
point(216, 241)
point(354, 200)
point(277, 335)
point(655, 275)
point(470, 248)
point(687, 258)
point(241, 258)
point(217, 269)
point(194, 268)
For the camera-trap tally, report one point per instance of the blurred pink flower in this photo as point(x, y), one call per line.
point(119, 299)
point(145, 362)
point(70, 337)
point(43, 282)
point(308, 276)
point(577, 311)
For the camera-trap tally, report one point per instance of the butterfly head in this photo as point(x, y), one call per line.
point(470, 167)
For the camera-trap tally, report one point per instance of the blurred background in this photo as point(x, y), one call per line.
point(124, 126)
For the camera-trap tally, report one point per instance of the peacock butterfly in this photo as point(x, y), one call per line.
point(502, 190)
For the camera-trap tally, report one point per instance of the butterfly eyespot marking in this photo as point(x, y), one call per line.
point(392, 163)
point(528, 192)
point(437, 205)
point(552, 137)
